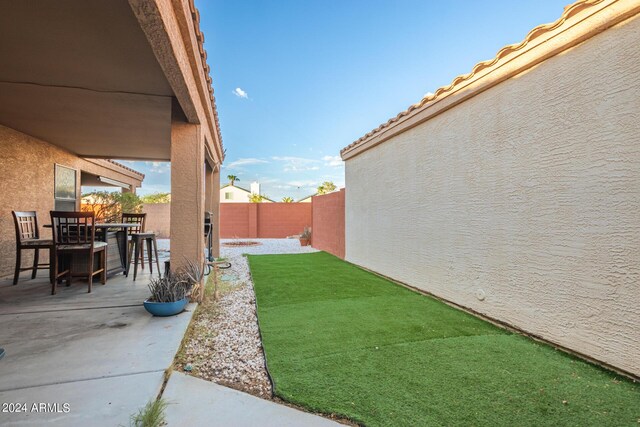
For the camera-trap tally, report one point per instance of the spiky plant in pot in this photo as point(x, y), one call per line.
point(169, 292)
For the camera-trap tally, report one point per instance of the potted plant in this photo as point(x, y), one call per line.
point(305, 237)
point(170, 293)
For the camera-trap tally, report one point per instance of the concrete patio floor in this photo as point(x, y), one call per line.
point(105, 356)
point(101, 353)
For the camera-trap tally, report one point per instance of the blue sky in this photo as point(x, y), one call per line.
point(296, 81)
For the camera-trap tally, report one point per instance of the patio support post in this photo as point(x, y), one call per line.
point(212, 204)
point(215, 198)
point(187, 193)
point(208, 188)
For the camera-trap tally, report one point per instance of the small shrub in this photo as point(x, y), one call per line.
point(177, 284)
point(256, 198)
point(152, 415)
point(171, 287)
point(156, 198)
point(306, 234)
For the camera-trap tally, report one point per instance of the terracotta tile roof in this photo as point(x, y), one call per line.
point(442, 92)
point(195, 16)
point(125, 167)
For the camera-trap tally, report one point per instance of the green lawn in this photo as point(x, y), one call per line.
point(341, 340)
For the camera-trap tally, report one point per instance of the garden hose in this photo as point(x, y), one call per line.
point(221, 265)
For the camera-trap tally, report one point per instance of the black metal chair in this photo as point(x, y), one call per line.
point(74, 237)
point(28, 238)
point(138, 237)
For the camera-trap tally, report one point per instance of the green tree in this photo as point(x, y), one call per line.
point(287, 199)
point(232, 179)
point(326, 187)
point(109, 206)
point(256, 198)
point(129, 203)
point(156, 198)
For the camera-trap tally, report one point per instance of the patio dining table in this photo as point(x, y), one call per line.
point(115, 235)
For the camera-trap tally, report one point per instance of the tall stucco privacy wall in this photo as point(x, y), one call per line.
point(521, 202)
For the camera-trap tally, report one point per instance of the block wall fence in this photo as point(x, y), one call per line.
point(271, 220)
point(328, 223)
point(263, 220)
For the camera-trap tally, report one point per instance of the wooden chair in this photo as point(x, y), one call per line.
point(28, 238)
point(74, 236)
point(138, 237)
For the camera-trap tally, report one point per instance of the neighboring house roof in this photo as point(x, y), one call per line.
point(245, 190)
point(140, 174)
point(235, 186)
point(503, 66)
point(307, 197)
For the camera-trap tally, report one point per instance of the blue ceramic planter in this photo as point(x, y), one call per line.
point(164, 309)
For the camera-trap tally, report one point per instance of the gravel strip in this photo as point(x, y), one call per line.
point(226, 346)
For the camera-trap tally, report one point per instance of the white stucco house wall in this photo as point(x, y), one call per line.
point(234, 194)
point(515, 191)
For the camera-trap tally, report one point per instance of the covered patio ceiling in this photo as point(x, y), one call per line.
point(82, 75)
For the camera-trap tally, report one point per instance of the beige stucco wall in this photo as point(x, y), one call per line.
point(522, 203)
point(158, 218)
point(27, 183)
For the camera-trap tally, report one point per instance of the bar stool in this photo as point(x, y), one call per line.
point(138, 237)
point(28, 238)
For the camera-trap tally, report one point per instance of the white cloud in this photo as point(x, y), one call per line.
point(333, 161)
point(303, 184)
point(295, 184)
point(298, 164)
point(240, 93)
point(266, 180)
point(158, 167)
point(293, 159)
point(153, 188)
point(245, 162)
